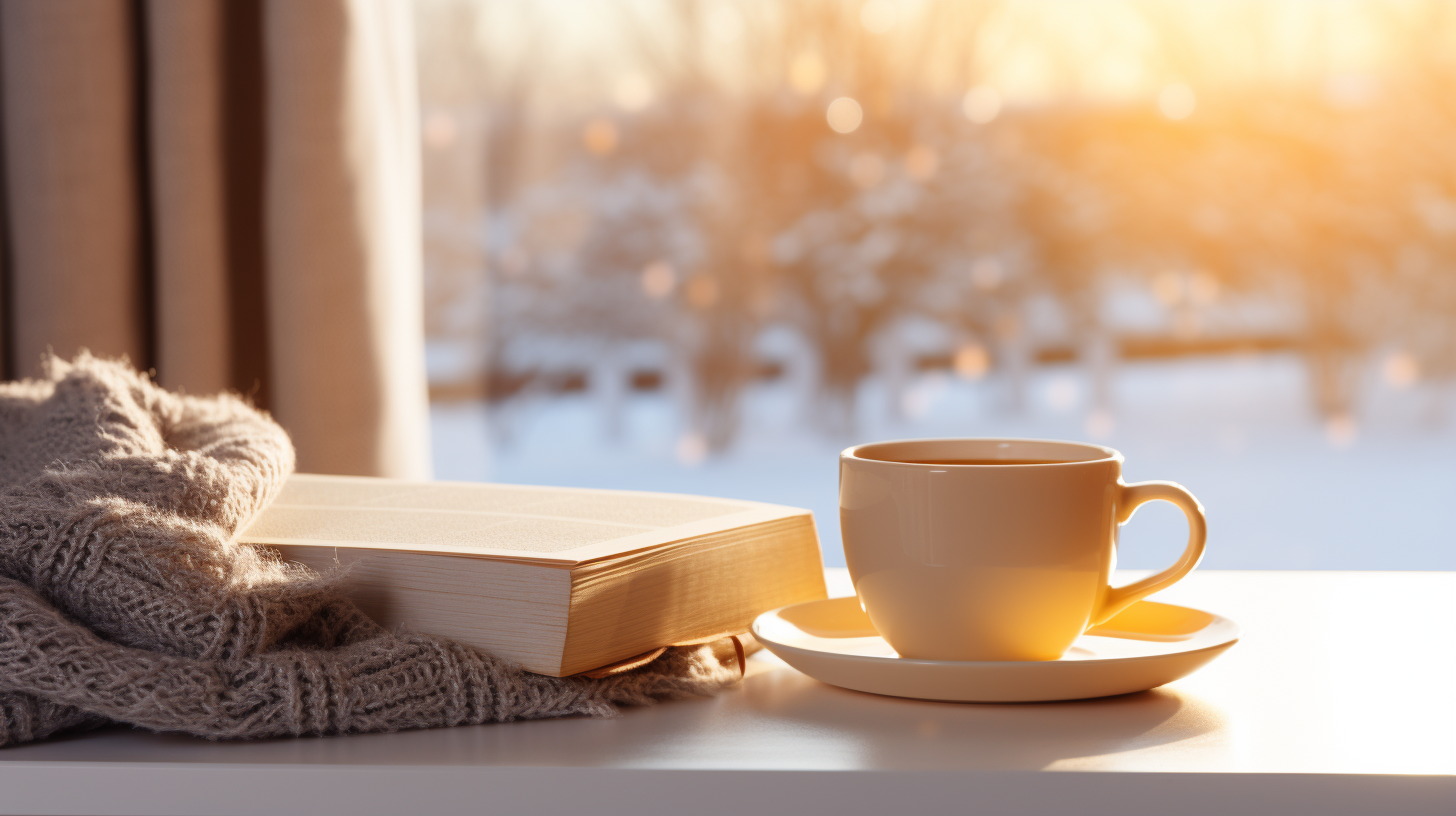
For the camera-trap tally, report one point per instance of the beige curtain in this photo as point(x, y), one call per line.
point(226, 191)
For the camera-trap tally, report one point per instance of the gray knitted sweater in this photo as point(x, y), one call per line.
point(124, 597)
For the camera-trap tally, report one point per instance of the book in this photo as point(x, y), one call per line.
point(560, 580)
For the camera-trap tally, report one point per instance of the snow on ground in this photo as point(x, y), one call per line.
point(1282, 490)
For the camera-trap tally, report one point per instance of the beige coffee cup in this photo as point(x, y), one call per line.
point(994, 549)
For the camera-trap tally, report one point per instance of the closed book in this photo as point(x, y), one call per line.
point(560, 580)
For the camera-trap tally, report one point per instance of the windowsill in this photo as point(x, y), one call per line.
point(1323, 702)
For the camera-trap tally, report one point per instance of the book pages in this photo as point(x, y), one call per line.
point(560, 525)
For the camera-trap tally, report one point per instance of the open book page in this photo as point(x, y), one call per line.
point(565, 526)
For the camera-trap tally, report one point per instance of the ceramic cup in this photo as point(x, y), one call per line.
point(1004, 559)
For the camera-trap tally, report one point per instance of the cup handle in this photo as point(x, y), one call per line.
point(1130, 498)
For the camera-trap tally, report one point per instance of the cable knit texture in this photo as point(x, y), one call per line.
point(125, 598)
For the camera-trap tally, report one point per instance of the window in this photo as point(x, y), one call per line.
point(702, 246)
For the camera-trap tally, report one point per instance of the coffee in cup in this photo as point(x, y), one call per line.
point(994, 549)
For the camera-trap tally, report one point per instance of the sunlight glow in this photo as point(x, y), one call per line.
point(725, 23)
point(878, 16)
point(807, 73)
point(632, 92)
point(844, 115)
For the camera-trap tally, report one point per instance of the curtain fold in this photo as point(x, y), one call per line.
point(70, 88)
point(343, 224)
point(188, 163)
point(226, 191)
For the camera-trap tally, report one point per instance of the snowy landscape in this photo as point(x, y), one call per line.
point(1282, 490)
point(701, 246)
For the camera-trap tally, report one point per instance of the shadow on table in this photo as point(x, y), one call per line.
point(919, 734)
point(778, 719)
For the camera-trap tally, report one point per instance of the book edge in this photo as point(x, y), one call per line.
point(578, 556)
point(588, 575)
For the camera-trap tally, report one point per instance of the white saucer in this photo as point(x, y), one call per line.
point(1143, 647)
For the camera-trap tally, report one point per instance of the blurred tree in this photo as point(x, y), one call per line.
point(843, 168)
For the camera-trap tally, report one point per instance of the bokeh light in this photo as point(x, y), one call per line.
point(844, 115)
point(981, 104)
point(972, 361)
point(807, 73)
point(1188, 228)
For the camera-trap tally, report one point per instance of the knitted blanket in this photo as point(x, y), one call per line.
point(124, 597)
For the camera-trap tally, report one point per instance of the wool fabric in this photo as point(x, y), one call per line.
point(126, 598)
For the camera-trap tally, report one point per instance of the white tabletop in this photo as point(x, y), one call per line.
point(1339, 699)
